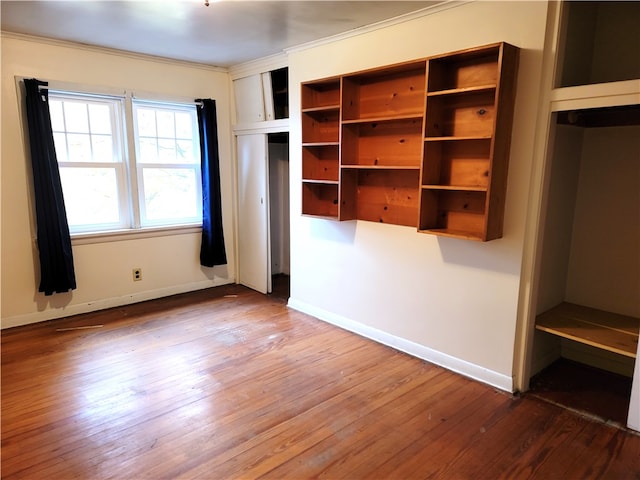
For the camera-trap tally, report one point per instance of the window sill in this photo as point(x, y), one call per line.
point(121, 235)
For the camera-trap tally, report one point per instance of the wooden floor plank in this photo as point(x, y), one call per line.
point(228, 383)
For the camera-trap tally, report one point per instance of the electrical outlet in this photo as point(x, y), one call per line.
point(137, 274)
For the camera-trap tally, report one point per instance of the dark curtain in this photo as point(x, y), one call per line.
point(212, 251)
point(54, 243)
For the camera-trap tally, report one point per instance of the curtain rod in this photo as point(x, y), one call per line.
point(84, 91)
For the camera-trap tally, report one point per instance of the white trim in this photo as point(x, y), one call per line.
point(440, 7)
point(475, 372)
point(611, 94)
point(534, 222)
point(596, 95)
point(273, 126)
point(110, 51)
point(88, 307)
point(132, 234)
point(261, 65)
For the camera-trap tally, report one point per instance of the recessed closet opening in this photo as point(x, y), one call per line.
point(279, 212)
point(588, 304)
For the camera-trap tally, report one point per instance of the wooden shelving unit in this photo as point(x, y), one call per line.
point(468, 118)
point(321, 147)
point(422, 143)
point(600, 329)
point(382, 125)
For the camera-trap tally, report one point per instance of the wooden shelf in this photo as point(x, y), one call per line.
point(321, 182)
point(469, 115)
point(320, 117)
point(453, 212)
point(423, 143)
point(380, 167)
point(393, 118)
point(462, 91)
point(320, 199)
point(321, 126)
point(462, 188)
point(472, 68)
point(446, 232)
point(457, 138)
point(394, 91)
point(320, 144)
point(600, 329)
point(320, 161)
point(469, 112)
point(380, 195)
point(321, 94)
point(465, 163)
point(323, 108)
point(390, 143)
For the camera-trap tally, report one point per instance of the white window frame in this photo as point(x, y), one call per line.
point(119, 163)
point(140, 166)
point(130, 194)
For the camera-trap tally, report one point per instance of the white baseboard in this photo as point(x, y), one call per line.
point(476, 372)
point(54, 313)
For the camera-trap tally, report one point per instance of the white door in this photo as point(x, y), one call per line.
point(254, 261)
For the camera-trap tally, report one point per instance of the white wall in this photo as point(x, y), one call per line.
point(604, 265)
point(170, 264)
point(559, 216)
point(448, 300)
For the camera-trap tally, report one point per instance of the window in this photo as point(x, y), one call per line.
point(168, 163)
point(107, 186)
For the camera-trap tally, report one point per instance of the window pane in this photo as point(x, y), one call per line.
point(90, 195)
point(185, 153)
point(75, 114)
point(100, 118)
point(57, 117)
point(146, 122)
point(166, 151)
point(170, 193)
point(60, 141)
point(183, 125)
point(79, 146)
point(102, 148)
point(165, 124)
point(148, 150)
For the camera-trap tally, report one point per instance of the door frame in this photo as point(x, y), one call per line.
point(275, 126)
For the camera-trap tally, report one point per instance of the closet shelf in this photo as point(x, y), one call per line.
point(605, 330)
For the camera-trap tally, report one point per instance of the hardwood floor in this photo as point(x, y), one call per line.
point(227, 383)
point(585, 389)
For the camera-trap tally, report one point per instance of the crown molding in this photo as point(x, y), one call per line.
point(109, 51)
point(260, 65)
point(431, 10)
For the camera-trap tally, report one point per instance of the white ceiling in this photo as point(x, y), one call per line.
point(226, 33)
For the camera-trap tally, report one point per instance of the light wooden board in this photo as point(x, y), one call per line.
point(605, 330)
